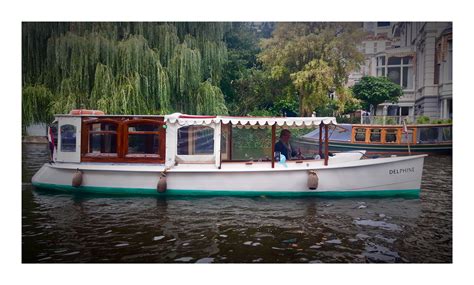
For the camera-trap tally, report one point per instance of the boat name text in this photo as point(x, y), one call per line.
point(401, 170)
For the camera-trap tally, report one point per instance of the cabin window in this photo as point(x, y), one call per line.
point(194, 140)
point(375, 135)
point(103, 138)
point(447, 133)
point(68, 138)
point(143, 140)
point(434, 134)
point(390, 135)
point(253, 143)
point(360, 135)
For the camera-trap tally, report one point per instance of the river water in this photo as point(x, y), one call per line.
point(58, 228)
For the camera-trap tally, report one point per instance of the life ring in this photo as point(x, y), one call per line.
point(86, 112)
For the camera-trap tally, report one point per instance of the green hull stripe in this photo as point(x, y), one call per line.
point(172, 192)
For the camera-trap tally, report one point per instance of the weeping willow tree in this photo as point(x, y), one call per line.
point(185, 75)
point(210, 100)
point(125, 68)
point(36, 104)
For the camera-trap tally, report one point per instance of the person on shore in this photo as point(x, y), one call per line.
point(284, 147)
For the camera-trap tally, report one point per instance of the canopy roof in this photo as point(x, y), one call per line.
point(181, 119)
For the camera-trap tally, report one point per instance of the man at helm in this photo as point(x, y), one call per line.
point(283, 145)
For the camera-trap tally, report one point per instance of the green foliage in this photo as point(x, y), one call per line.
point(313, 57)
point(242, 49)
point(36, 101)
point(285, 107)
point(423, 120)
point(126, 68)
point(376, 90)
point(442, 121)
point(210, 100)
point(254, 92)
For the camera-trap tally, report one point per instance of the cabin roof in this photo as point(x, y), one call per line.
point(182, 119)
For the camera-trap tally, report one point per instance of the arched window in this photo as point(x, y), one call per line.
point(68, 138)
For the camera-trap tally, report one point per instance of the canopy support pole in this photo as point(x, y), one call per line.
point(321, 139)
point(273, 144)
point(326, 145)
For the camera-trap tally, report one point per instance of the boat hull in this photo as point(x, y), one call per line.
point(370, 177)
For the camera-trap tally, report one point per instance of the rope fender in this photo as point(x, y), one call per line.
point(313, 180)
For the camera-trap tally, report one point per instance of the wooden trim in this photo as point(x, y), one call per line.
point(273, 145)
point(321, 139)
point(220, 144)
point(414, 135)
point(230, 141)
point(122, 140)
point(326, 142)
point(353, 134)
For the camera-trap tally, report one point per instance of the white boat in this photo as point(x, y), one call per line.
point(192, 155)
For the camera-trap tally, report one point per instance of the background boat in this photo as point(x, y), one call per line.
point(388, 139)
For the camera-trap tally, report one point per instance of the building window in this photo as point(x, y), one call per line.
point(193, 140)
point(398, 69)
point(449, 63)
point(68, 138)
point(405, 111)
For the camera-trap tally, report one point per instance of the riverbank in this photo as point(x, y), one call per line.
point(34, 139)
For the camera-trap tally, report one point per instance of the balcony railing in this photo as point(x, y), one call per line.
point(387, 120)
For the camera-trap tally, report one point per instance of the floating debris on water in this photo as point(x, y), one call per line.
point(382, 215)
point(362, 207)
point(258, 260)
point(170, 240)
point(256, 244)
point(122, 244)
point(315, 246)
point(224, 236)
point(158, 238)
point(248, 243)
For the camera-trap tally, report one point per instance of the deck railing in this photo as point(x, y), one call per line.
point(387, 120)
